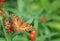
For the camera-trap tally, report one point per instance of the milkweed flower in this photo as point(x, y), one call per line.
point(8, 26)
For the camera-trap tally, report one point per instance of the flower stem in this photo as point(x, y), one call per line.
point(6, 36)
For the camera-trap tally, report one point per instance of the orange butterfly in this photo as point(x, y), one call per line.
point(20, 25)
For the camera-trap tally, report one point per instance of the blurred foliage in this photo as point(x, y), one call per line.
point(44, 15)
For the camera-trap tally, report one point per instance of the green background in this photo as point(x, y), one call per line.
point(32, 11)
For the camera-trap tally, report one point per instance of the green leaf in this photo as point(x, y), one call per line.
point(53, 25)
point(30, 20)
point(55, 18)
point(20, 38)
point(42, 38)
point(55, 5)
point(38, 39)
point(2, 39)
point(20, 4)
point(46, 30)
point(56, 39)
point(36, 23)
point(46, 5)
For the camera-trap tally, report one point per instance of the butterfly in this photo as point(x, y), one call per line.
point(20, 25)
